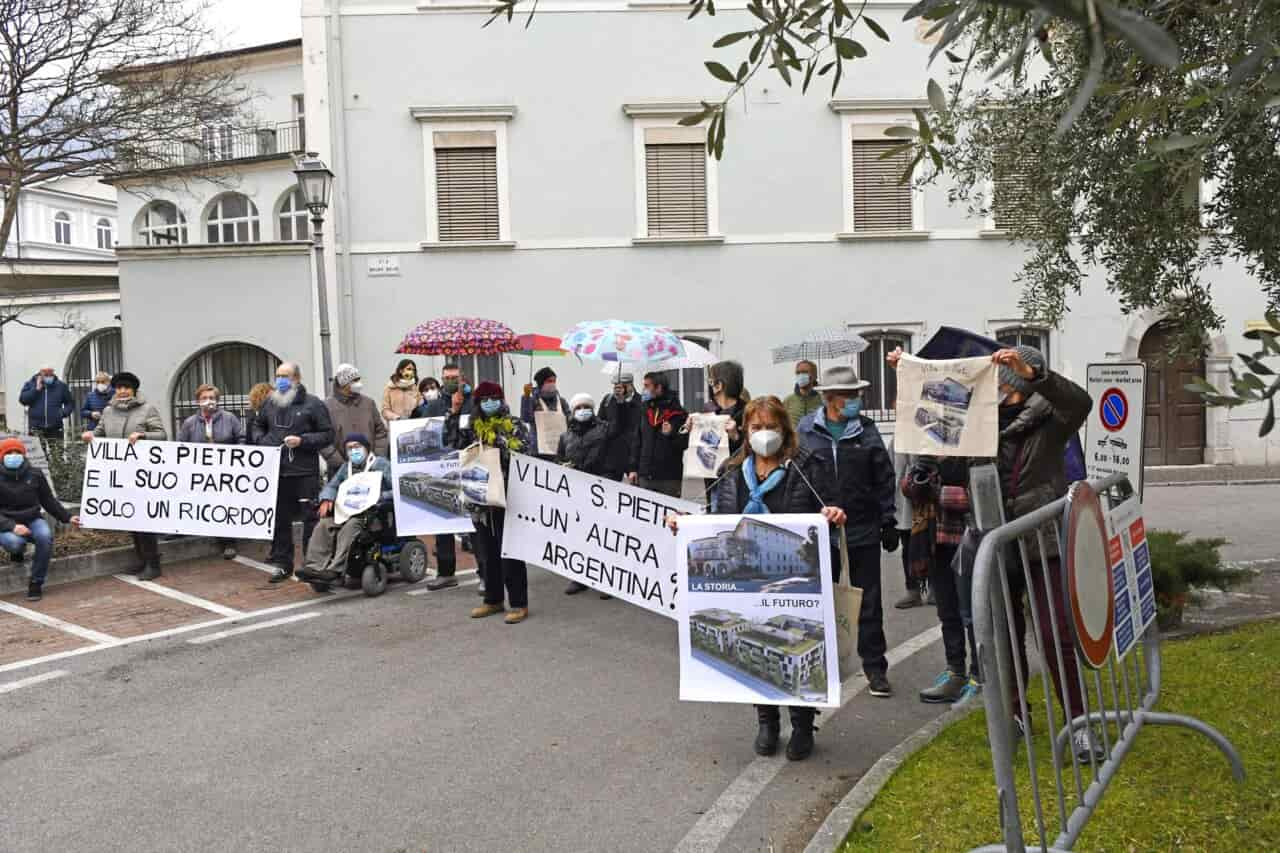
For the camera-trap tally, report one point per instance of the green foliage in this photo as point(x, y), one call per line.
point(1258, 384)
point(498, 432)
point(1179, 566)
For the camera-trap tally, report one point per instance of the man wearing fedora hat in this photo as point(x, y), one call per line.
point(862, 471)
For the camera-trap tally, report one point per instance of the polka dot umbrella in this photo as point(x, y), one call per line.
point(621, 340)
point(459, 336)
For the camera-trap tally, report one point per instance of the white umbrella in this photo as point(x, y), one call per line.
point(695, 356)
point(820, 344)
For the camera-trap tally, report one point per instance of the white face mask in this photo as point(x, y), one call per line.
point(432, 394)
point(766, 442)
point(102, 387)
point(583, 415)
point(208, 405)
point(357, 387)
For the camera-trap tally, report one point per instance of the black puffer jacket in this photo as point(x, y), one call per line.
point(793, 494)
point(861, 473)
point(623, 419)
point(585, 447)
point(307, 418)
point(23, 493)
point(658, 456)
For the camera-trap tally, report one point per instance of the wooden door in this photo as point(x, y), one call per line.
point(1174, 427)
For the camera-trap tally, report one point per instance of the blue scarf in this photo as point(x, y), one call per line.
point(755, 503)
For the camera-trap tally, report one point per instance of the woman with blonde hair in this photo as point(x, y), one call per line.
point(772, 474)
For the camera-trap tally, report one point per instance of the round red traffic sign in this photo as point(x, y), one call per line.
point(1090, 592)
point(1113, 410)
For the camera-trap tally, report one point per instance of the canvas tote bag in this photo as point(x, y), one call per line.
point(848, 604)
point(481, 471)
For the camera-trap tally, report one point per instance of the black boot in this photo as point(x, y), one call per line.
point(802, 729)
point(770, 719)
point(151, 572)
point(34, 591)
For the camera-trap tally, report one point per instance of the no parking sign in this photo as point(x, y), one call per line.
point(1113, 434)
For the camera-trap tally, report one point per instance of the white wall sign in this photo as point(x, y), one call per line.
point(1113, 434)
point(605, 534)
point(384, 265)
point(226, 490)
point(757, 613)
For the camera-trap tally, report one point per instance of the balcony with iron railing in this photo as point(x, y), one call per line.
point(222, 144)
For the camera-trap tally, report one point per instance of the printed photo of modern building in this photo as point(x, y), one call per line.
point(755, 551)
point(786, 652)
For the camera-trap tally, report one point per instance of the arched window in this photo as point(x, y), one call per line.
point(293, 217)
point(105, 237)
point(879, 400)
point(233, 218)
point(162, 224)
point(62, 228)
point(1025, 336)
point(234, 368)
point(100, 351)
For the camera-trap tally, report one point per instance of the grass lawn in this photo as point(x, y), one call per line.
point(1174, 791)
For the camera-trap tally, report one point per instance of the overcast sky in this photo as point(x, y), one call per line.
point(246, 22)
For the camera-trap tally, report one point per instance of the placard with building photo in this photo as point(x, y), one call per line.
point(947, 407)
point(427, 479)
point(757, 620)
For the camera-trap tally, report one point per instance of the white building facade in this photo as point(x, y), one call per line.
point(539, 177)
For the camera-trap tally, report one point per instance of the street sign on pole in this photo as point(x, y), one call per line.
point(1113, 436)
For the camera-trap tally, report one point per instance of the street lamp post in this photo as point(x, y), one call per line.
point(314, 182)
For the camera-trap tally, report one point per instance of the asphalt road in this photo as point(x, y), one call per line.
point(400, 724)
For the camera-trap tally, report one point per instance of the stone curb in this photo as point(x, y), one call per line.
point(836, 827)
point(110, 561)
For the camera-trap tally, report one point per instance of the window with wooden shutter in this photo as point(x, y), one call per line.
point(467, 185)
point(881, 201)
point(1013, 207)
point(675, 162)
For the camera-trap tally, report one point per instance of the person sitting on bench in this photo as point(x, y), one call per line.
point(330, 545)
point(24, 491)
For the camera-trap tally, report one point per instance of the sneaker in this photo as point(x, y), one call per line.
point(281, 574)
point(229, 552)
point(33, 591)
point(910, 600)
point(972, 688)
point(150, 573)
point(929, 599)
point(878, 685)
point(486, 610)
point(1088, 742)
point(516, 615)
point(574, 588)
point(1019, 730)
point(441, 582)
point(948, 688)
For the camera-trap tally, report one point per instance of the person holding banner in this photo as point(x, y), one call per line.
point(584, 447)
point(772, 473)
point(491, 426)
point(24, 492)
point(215, 426)
point(299, 422)
point(133, 418)
point(855, 457)
point(330, 545)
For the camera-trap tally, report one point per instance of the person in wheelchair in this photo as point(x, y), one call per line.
point(331, 543)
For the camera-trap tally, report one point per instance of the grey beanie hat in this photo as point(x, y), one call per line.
point(346, 374)
point(1034, 359)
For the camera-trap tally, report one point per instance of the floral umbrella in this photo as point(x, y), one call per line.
point(695, 355)
point(620, 340)
point(459, 336)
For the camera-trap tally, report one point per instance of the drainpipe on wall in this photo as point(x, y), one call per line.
point(342, 222)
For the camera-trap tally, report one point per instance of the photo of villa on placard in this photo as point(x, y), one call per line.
point(756, 556)
point(422, 444)
point(785, 653)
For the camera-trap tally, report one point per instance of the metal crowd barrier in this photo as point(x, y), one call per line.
point(1116, 715)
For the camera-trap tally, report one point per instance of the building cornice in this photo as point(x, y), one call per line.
point(662, 108)
point(212, 250)
point(464, 112)
point(853, 105)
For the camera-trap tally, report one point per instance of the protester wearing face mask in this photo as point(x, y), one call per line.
point(725, 383)
point(49, 402)
point(432, 399)
point(861, 472)
point(804, 400)
point(24, 492)
point(545, 399)
point(330, 545)
point(96, 400)
point(401, 398)
point(656, 461)
point(491, 423)
point(622, 411)
point(298, 423)
point(452, 398)
point(584, 447)
point(351, 412)
point(213, 425)
point(772, 474)
point(132, 418)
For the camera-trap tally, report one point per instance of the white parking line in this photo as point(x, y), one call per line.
point(256, 626)
point(262, 567)
point(718, 821)
point(177, 595)
point(51, 622)
point(35, 679)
